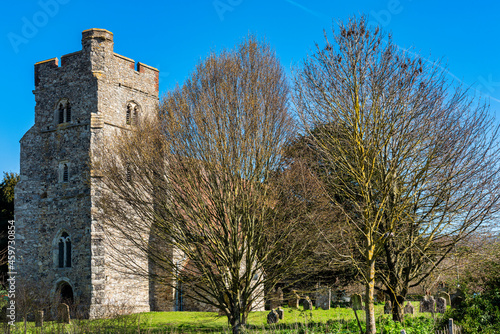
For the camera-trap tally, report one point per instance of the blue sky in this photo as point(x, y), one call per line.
point(174, 35)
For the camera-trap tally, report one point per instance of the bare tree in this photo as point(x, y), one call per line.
point(190, 190)
point(408, 153)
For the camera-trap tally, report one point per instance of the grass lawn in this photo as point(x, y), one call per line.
point(340, 320)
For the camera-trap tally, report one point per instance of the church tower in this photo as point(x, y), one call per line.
point(60, 247)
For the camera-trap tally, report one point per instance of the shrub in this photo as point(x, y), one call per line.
point(478, 313)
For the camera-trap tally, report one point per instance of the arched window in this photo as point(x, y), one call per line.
point(134, 120)
point(64, 111)
point(68, 112)
point(65, 173)
point(64, 251)
point(129, 113)
point(61, 113)
point(132, 114)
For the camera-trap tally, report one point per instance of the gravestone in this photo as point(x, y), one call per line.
point(39, 319)
point(272, 317)
point(428, 304)
point(356, 303)
point(388, 307)
point(441, 305)
point(293, 300)
point(63, 313)
point(307, 304)
point(281, 313)
point(323, 298)
point(409, 309)
point(446, 296)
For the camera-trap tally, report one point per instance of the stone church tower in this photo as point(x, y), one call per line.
point(59, 243)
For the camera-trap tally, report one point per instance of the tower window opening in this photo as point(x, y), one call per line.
point(132, 113)
point(64, 112)
point(68, 112)
point(129, 112)
point(134, 120)
point(65, 173)
point(61, 114)
point(64, 256)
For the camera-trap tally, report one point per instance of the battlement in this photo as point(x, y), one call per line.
point(98, 34)
point(96, 54)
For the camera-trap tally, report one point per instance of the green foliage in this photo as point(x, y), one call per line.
point(478, 313)
point(7, 195)
point(6, 213)
point(412, 325)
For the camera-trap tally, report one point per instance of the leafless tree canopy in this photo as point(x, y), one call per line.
point(197, 177)
point(410, 154)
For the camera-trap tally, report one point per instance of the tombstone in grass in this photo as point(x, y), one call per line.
point(272, 317)
point(446, 296)
point(293, 300)
point(428, 304)
point(39, 319)
point(409, 309)
point(356, 303)
point(388, 307)
point(441, 305)
point(323, 298)
point(63, 313)
point(281, 313)
point(307, 303)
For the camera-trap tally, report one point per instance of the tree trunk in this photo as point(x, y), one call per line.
point(235, 319)
point(370, 289)
point(397, 307)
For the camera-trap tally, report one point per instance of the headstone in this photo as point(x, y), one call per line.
point(388, 307)
point(432, 304)
point(63, 313)
point(428, 304)
point(39, 319)
point(446, 296)
point(293, 300)
point(356, 303)
point(272, 317)
point(281, 313)
point(323, 298)
point(441, 305)
point(307, 303)
point(409, 309)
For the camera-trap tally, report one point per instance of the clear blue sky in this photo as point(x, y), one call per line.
point(174, 35)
